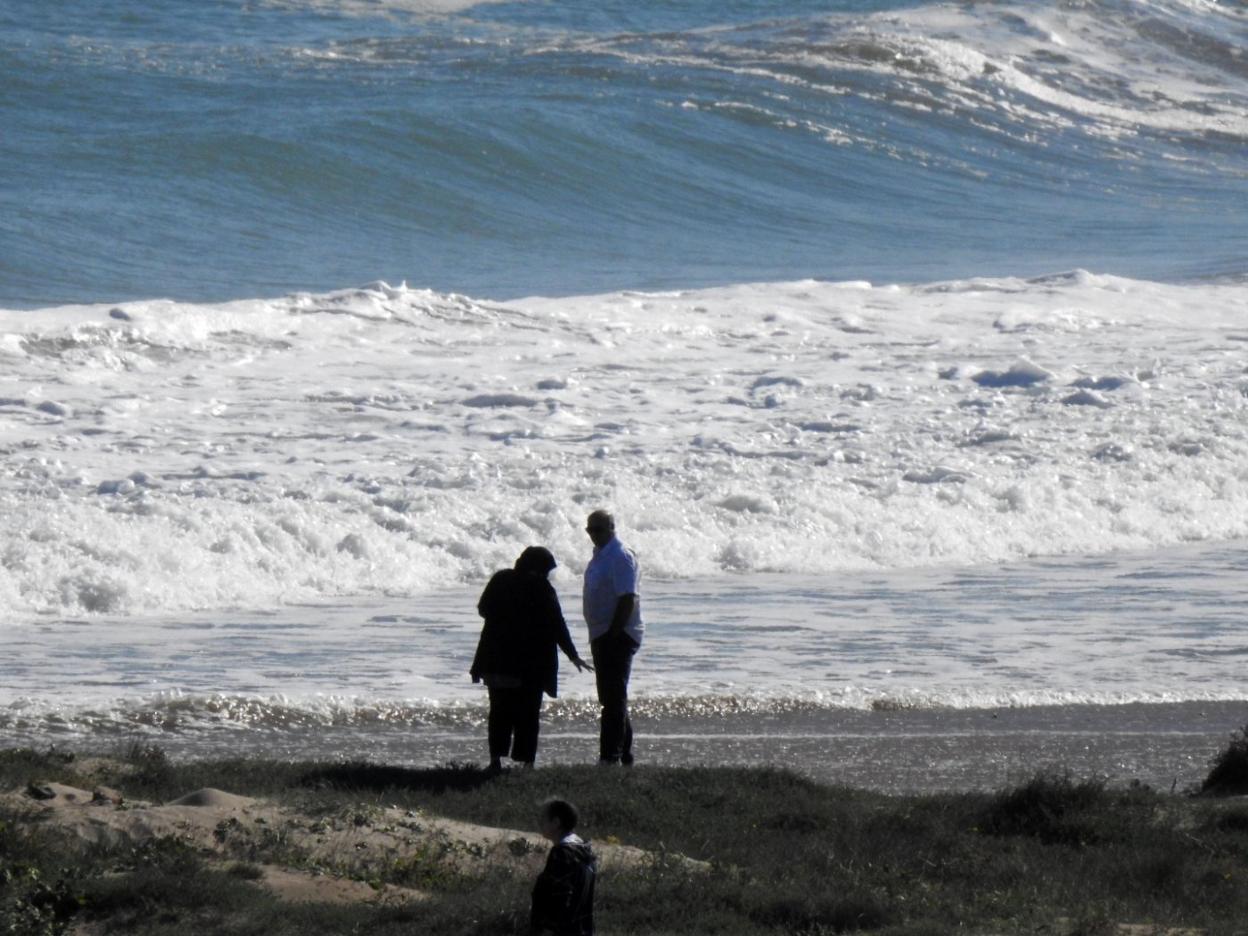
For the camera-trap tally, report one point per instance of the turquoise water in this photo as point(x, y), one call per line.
point(240, 149)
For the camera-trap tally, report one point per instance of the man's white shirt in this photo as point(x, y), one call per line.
point(611, 573)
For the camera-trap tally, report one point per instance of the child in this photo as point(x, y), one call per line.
point(563, 897)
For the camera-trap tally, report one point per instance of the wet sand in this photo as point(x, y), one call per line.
point(1166, 746)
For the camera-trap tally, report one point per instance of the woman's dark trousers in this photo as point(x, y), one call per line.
point(613, 664)
point(514, 715)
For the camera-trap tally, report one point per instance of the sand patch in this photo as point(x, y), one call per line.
point(209, 798)
point(325, 858)
point(308, 887)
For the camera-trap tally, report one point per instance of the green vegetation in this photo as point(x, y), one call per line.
point(1229, 776)
point(786, 855)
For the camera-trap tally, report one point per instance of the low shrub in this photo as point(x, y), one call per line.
point(1049, 808)
point(1228, 775)
point(379, 778)
point(39, 890)
point(1235, 820)
point(22, 766)
point(821, 913)
point(151, 769)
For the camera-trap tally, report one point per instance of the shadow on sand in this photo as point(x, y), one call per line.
point(379, 777)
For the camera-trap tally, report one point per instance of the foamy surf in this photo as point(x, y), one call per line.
point(160, 457)
point(1144, 629)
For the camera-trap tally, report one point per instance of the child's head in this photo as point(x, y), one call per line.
point(557, 819)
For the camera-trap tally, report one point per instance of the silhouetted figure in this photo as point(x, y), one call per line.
point(612, 606)
point(563, 897)
point(517, 655)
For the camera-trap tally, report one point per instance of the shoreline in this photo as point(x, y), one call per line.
point(1166, 746)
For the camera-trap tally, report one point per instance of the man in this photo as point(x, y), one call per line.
point(563, 897)
point(612, 606)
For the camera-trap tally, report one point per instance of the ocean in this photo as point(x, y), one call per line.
point(906, 341)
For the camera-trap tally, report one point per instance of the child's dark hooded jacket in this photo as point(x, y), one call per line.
point(563, 897)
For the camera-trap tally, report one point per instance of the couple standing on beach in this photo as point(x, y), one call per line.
point(517, 655)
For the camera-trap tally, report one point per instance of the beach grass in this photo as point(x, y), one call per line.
point(772, 853)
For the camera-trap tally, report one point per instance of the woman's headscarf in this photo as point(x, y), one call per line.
point(536, 560)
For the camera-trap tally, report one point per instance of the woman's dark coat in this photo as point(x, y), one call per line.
point(524, 630)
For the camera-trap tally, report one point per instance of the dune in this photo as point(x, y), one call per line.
point(331, 854)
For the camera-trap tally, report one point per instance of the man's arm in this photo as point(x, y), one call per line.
point(624, 575)
point(623, 612)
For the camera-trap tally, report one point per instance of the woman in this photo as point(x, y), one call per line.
point(517, 655)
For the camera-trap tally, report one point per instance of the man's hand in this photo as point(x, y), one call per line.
point(581, 665)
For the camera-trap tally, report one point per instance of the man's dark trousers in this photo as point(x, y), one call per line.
point(613, 664)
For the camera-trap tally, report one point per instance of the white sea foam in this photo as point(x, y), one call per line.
point(1138, 628)
point(376, 7)
point(388, 440)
